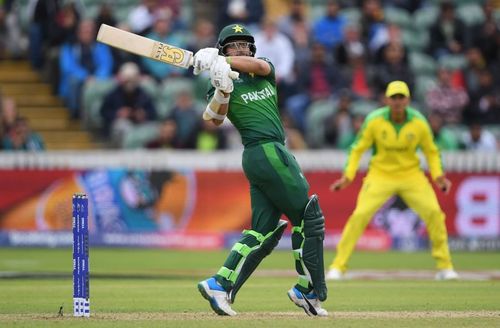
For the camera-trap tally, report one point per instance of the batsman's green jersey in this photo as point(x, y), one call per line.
point(268, 165)
point(254, 109)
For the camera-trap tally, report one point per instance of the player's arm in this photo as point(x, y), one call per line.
point(217, 108)
point(218, 105)
point(205, 58)
point(433, 157)
point(249, 65)
point(363, 141)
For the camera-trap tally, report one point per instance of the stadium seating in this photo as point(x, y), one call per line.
point(353, 15)
point(470, 13)
point(415, 40)
point(453, 62)
point(422, 64)
point(363, 107)
point(45, 112)
point(168, 90)
point(422, 84)
point(424, 17)
point(415, 35)
point(315, 121)
point(141, 135)
point(398, 16)
point(93, 95)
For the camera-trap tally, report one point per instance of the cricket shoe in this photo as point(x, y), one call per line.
point(447, 274)
point(334, 274)
point(216, 296)
point(309, 302)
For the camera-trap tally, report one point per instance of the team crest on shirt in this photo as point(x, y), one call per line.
point(384, 134)
point(410, 137)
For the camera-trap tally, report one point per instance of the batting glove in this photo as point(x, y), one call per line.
point(204, 59)
point(219, 75)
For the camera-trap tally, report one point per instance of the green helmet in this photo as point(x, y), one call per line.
point(235, 32)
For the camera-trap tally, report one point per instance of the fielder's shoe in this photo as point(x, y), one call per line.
point(309, 302)
point(334, 274)
point(216, 295)
point(447, 274)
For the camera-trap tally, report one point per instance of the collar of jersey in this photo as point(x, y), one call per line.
point(409, 116)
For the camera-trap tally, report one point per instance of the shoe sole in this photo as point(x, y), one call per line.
point(308, 308)
point(211, 300)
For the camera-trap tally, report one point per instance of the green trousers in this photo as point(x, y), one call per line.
point(277, 187)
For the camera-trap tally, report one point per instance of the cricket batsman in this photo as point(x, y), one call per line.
point(394, 133)
point(277, 185)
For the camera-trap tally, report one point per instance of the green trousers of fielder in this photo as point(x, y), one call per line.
point(277, 186)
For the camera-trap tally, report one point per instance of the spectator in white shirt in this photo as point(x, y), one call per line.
point(142, 17)
point(478, 139)
point(275, 46)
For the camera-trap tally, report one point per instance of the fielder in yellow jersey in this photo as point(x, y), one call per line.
point(394, 133)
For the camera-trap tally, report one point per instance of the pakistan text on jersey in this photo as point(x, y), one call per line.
point(257, 95)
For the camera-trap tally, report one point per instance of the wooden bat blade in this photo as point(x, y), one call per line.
point(145, 47)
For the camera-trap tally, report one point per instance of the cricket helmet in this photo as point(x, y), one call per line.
point(232, 33)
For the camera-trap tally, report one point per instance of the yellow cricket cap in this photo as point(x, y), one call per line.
point(397, 88)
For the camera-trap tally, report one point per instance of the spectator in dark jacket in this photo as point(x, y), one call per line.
point(319, 80)
point(393, 67)
point(448, 33)
point(128, 104)
point(486, 35)
point(485, 100)
point(187, 119)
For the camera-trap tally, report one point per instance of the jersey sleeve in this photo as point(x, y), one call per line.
point(363, 141)
point(431, 151)
point(272, 76)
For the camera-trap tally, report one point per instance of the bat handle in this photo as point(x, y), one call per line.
point(233, 74)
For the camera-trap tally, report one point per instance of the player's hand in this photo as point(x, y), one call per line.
point(219, 75)
point(340, 184)
point(443, 184)
point(204, 59)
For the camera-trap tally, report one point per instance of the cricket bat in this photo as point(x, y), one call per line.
point(146, 47)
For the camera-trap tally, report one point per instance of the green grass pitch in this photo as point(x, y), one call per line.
point(157, 288)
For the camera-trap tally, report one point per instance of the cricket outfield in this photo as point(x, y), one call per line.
point(157, 288)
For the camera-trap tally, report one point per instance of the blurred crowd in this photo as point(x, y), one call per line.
point(333, 60)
